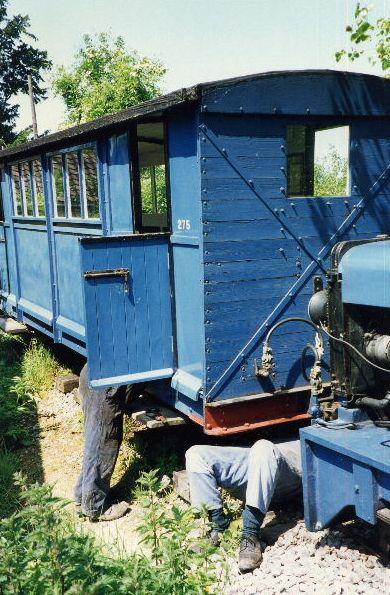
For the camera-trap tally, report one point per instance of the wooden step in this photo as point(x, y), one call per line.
point(154, 415)
point(11, 326)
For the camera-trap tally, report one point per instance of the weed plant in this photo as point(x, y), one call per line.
point(42, 551)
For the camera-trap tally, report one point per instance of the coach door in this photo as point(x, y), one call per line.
point(128, 316)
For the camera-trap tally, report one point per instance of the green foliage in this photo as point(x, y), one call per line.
point(9, 462)
point(18, 58)
point(331, 175)
point(26, 369)
point(150, 203)
point(105, 78)
point(42, 551)
point(363, 31)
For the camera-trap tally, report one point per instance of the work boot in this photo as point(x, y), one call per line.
point(114, 512)
point(250, 555)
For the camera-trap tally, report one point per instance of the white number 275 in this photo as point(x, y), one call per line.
point(184, 224)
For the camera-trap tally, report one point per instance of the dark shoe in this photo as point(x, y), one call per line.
point(250, 555)
point(215, 537)
point(114, 512)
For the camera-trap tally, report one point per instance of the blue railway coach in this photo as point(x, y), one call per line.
point(163, 241)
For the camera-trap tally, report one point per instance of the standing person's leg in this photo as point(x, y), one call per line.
point(103, 430)
point(209, 467)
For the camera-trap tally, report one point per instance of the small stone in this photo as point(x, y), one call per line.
point(65, 384)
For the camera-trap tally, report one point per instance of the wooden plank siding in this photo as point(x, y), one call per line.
point(257, 243)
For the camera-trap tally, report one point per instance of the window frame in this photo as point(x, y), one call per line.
point(82, 183)
point(31, 175)
point(317, 127)
point(136, 177)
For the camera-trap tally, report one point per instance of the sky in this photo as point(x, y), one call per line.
point(197, 40)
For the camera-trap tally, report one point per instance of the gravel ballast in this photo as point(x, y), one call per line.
point(328, 563)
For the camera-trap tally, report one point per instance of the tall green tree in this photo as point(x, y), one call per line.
point(104, 78)
point(364, 32)
point(18, 59)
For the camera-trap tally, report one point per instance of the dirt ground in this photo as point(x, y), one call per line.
point(55, 458)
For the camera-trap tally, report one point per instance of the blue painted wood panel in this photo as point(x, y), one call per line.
point(258, 243)
point(186, 240)
point(117, 171)
point(34, 267)
point(128, 332)
point(4, 285)
point(307, 92)
point(69, 280)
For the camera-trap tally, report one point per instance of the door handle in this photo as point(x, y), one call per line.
point(125, 273)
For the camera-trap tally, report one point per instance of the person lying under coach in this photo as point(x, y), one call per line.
point(258, 474)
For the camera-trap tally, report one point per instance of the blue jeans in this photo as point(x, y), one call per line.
point(103, 431)
point(254, 475)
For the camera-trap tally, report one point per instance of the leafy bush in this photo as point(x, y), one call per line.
point(42, 551)
point(331, 175)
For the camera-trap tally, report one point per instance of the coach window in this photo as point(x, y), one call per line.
point(17, 189)
point(27, 189)
point(90, 168)
point(75, 184)
point(39, 197)
point(152, 176)
point(58, 185)
point(317, 161)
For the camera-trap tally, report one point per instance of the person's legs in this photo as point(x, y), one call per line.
point(270, 473)
point(209, 467)
point(103, 430)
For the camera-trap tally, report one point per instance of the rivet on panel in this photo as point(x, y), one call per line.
point(209, 426)
point(282, 148)
point(241, 108)
point(282, 189)
point(308, 110)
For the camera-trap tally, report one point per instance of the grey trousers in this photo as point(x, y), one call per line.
point(254, 475)
point(103, 432)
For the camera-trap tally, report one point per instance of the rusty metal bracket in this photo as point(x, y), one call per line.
point(125, 273)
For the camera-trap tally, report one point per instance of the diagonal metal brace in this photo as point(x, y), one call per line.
point(352, 217)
